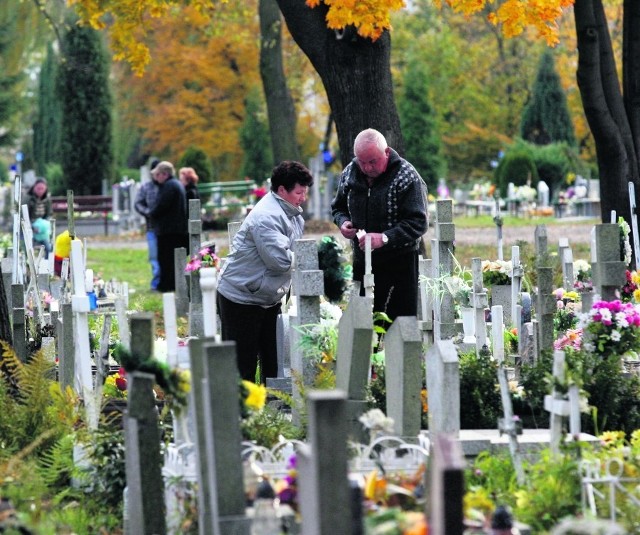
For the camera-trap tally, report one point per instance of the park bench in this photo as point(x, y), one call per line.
point(93, 206)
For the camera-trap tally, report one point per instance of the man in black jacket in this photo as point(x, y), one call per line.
point(169, 219)
point(383, 195)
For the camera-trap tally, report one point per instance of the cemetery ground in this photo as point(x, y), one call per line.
point(47, 488)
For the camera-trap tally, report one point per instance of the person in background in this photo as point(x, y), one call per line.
point(144, 202)
point(169, 220)
point(257, 275)
point(39, 206)
point(382, 195)
point(189, 179)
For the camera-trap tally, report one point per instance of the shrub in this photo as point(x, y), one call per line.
point(517, 166)
point(479, 395)
point(197, 158)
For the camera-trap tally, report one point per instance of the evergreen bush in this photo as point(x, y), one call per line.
point(197, 158)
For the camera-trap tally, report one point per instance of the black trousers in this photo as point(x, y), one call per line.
point(167, 243)
point(253, 329)
point(396, 283)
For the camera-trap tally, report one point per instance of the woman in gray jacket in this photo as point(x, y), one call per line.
point(257, 274)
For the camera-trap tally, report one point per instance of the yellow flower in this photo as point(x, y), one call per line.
point(612, 438)
point(257, 395)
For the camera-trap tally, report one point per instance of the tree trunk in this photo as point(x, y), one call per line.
point(280, 109)
point(356, 74)
point(604, 107)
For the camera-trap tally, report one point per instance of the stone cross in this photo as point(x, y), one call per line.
point(425, 319)
point(560, 408)
point(33, 263)
point(120, 303)
point(308, 285)
point(368, 280)
point(80, 307)
point(353, 359)
point(608, 270)
point(507, 424)
point(446, 486)
point(517, 273)
point(565, 255)
point(324, 490)
point(403, 375)
point(216, 394)
point(443, 388)
point(66, 347)
point(479, 302)
point(182, 288)
point(7, 275)
point(442, 255)
point(545, 300)
point(195, 296)
point(145, 486)
point(19, 328)
point(17, 193)
point(497, 219)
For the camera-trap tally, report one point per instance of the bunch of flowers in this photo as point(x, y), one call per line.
point(613, 328)
point(377, 423)
point(625, 244)
point(582, 272)
point(460, 287)
point(319, 341)
point(496, 272)
point(631, 289)
point(572, 338)
point(287, 487)
point(115, 385)
point(525, 193)
point(205, 258)
point(252, 397)
point(482, 191)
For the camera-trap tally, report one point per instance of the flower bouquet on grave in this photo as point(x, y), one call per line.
point(115, 385)
point(613, 328)
point(496, 272)
point(631, 289)
point(582, 272)
point(625, 244)
point(204, 258)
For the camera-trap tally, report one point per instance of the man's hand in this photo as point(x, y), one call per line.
point(347, 230)
point(376, 240)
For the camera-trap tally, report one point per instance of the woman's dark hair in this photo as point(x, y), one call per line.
point(288, 174)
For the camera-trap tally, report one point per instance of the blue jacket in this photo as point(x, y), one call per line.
point(258, 272)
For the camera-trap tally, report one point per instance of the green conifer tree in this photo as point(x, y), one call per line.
point(84, 92)
point(197, 158)
point(257, 161)
point(423, 147)
point(10, 79)
point(46, 130)
point(546, 119)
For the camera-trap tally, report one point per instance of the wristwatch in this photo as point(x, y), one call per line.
point(385, 239)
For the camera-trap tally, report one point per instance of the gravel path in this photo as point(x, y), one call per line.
point(575, 231)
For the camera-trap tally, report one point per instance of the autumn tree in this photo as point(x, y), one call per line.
point(546, 118)
point(83, 87)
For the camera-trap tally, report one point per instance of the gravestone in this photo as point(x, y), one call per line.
point(565, 254)
point(324, 490)
point(7, 277)
point(181, 290)
point(446, 487)
point(608, 270)
point(403, 375)
point(195, 296)
point(221, 392)
point(507, 424)
point(66, 348)
point(443, 388)
point(479, 301)
point(425, 308)
point(517, 273)
point(145, 487)
point(353, 359)
point(19, 328)
point(545, 300)
point(442, 256)
point(560, 408)
point(308, 285)
point(216, 403)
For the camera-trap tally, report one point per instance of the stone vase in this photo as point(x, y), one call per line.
point(468, 325)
